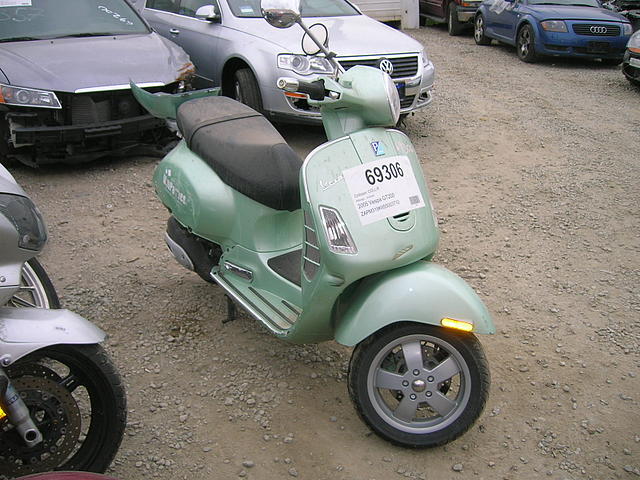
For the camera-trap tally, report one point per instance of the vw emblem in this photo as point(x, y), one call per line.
point(386, 66)
point(596, 30)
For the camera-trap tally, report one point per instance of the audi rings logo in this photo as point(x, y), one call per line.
point(596, 30)
point(386, 66)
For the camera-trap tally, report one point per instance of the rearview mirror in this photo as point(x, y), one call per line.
point(208, 12)
point(281, 13)
point(311, 45)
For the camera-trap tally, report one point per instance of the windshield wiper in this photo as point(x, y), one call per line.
point(581, 5)
point(89, 34)
point(20, 39)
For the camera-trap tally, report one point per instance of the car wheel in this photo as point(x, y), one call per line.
point(454, 27)
point(525, 45)
point(478, 32)
point(246, 90)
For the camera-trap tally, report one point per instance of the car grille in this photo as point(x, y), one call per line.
point(97, 107)
point(407, 101)
point(402, 66)
point(596, 30)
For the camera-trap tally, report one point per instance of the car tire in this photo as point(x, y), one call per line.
point(246, 90)
point(525, 44)
point(479, 31)
point(454, 27)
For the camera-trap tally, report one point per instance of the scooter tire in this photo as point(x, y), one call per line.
point(82, 408)
point(380, 361)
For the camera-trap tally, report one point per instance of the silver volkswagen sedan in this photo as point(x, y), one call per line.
point(232, 46)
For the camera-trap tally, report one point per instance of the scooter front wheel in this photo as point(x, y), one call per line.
point(419, 385)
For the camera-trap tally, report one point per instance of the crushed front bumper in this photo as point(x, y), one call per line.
point(22, 135)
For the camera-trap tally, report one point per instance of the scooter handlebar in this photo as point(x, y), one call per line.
point(315, 90)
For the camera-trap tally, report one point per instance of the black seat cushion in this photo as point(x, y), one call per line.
point(244, 149)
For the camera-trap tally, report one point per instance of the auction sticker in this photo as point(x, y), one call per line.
point(383, 188)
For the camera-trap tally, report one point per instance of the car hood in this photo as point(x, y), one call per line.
point(575, 13)
point(353, 35)
point(69, 64)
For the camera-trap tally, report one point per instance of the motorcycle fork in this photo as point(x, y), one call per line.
point(13, 407)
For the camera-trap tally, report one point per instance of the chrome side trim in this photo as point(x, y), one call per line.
point(124, 86)
point(253, 310)
point(239, 271)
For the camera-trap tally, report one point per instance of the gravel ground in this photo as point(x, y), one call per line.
point(534, 172)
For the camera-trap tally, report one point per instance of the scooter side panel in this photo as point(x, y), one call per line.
point(25, 330)
point(202, 202)
point(422, 292)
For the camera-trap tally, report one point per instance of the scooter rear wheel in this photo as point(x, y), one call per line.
point(419, 385)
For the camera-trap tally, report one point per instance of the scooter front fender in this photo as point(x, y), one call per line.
point(421, 292)
point(25, 330)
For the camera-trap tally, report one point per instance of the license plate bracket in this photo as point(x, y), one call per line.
point(599, 47)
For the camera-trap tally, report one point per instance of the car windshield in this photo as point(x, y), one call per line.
point(572, 3)
point(46, 19)
point(308, 8)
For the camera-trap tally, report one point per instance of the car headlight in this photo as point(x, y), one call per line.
point(26, 218)
point(634, 41)
point(305, 65)
point(554, 26)
point(28, 97)
point(424, 58)
point(627, 29)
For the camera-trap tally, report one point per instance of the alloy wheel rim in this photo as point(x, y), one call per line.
point(31, 292)
point(478, 31)
point(525, 40)
point(429, 389)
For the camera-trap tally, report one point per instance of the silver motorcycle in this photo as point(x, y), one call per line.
point(62, 401)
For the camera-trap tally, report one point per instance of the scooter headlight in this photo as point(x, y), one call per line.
point(26, 218)
point(337, 233)
point(393, 97)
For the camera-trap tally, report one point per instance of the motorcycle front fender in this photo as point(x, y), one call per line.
point(25, 330)
point(421, 292)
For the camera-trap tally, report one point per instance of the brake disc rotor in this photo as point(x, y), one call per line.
point(57, 416)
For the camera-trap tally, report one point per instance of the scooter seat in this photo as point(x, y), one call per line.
point(244, 150)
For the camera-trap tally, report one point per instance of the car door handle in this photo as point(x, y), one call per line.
point(174, 31)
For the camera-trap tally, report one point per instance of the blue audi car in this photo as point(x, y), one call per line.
point(567, 28)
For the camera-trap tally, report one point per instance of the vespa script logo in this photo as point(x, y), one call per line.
point(596, 30)
point(386, 66)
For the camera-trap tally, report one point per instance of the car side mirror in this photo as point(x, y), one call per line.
point(208, 12)
point(280, 13)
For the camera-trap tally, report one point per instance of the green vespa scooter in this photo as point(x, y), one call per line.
point(337, 247)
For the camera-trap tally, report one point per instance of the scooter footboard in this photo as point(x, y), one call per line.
point(25, 330)
point(421, 292)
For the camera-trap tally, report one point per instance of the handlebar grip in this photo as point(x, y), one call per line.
point(315, 90)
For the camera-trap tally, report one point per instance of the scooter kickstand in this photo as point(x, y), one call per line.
point(232, 310)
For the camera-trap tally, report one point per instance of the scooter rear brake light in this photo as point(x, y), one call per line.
point(457, 324)
point(337, 233)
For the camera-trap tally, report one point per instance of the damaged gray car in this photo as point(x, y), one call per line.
point(65, 69)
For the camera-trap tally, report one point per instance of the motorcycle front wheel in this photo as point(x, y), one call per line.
point(77, 400)
point(36, 289)
point(419, 385)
